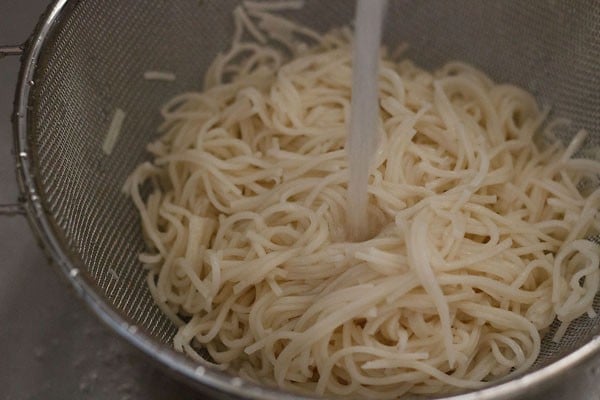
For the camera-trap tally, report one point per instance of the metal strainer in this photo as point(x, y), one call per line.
point(87, 58)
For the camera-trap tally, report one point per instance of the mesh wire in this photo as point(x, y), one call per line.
point(94, 60)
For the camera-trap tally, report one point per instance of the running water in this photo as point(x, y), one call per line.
point(362, 141)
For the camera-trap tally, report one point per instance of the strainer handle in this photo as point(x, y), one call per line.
point(16, 208)
point(10, 51)
point(12, 209)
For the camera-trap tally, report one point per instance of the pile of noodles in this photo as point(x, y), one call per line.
point(477, 238)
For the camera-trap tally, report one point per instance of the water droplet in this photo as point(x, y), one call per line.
point(74, 272)
point(133, 329)
point(35, 197)
point(200, 371)
point(31, 83)
point(23, 154)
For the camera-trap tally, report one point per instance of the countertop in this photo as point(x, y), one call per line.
point(51, 346)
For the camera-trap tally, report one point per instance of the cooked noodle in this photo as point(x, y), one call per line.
point(114, 130)
point(480, 242)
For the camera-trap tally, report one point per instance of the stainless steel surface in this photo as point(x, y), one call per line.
point(73, 93)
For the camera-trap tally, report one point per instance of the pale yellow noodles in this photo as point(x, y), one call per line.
point(480, 241)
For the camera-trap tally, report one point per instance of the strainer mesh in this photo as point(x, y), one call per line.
point(94, 60)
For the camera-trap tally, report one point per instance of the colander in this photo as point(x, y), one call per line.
point(87, 58)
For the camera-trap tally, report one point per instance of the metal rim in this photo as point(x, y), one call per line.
point(85, 287)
